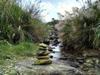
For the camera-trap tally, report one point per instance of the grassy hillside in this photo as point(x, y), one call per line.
point(20, 31)
point(20, 24)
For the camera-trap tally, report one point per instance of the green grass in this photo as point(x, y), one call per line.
point(11, 52)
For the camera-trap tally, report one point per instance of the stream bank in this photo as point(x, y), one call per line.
point(26, 67)
point(58, 67)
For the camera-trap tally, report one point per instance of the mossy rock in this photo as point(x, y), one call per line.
point(41, 48)
point(43, 57)
point(43, 62)
point(43, 53)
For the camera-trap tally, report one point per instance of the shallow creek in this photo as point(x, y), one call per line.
point(89, 65)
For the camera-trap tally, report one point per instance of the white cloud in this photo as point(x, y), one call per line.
point(66, 6)
point(47, 7)
point(60, 7)
point(51, 9)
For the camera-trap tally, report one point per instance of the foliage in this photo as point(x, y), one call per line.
point(14, 20)
point(82, 27)
point(10, 52)
point(53, 22)
point(41, 30)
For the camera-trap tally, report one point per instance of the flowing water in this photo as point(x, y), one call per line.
point(58, 57)
point(56, 53)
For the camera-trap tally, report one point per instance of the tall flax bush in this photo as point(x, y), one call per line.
point(11, 17)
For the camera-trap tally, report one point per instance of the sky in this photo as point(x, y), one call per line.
point(52, 7)
point(57, 6)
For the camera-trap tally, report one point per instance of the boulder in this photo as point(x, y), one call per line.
point(28, 68)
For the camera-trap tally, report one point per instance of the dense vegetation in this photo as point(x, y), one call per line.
point(82, 27)
point(20, 23)
point(21, 29)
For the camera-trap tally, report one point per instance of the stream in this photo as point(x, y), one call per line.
point(56, 53)
point(58, 66)
point(62, 64)
point(59, 57)
point(90, 65)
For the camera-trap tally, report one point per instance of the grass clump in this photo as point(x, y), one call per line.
point(11, 52)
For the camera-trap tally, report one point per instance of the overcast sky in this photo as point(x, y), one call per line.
point(56, 6)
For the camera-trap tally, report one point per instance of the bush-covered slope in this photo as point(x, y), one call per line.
point(82, 27)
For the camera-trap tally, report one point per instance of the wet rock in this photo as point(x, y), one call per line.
point(80, 60)
point(98, 65)
point(74, 64)
point(51, 56)
point(50, 49)
point(90, 66)
point(56, 73)
point(63, 58)
point(52, 69)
